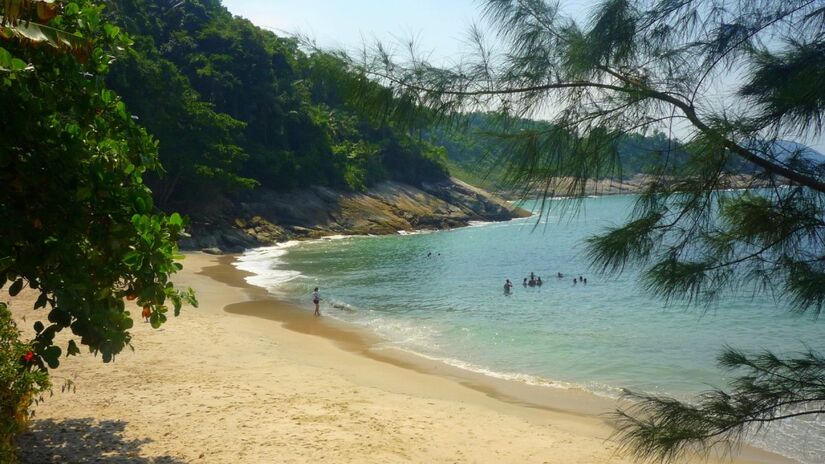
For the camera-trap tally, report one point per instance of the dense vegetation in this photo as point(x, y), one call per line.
point(234, 106)
point(79, 226)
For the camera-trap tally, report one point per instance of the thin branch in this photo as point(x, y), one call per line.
point(740, 42)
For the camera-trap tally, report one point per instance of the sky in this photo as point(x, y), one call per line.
point(439, 24)
point(439, 27)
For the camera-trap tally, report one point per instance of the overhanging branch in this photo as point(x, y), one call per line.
point(632, 87)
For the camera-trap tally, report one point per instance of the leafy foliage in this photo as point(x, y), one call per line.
point(17, 23)
point(234, 107)
point(79, 225)
point(21, 384)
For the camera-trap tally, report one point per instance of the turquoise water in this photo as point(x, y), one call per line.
point(602, 336)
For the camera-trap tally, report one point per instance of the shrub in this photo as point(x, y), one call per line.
point(22, 383)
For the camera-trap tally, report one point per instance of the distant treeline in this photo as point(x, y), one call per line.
point(234, 106)
point(479, 146)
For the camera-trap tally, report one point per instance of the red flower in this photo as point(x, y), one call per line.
point(28, 356)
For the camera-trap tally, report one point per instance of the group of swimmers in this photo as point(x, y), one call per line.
point(535, 281)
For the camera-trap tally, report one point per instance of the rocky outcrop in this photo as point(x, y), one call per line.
point(266, 217)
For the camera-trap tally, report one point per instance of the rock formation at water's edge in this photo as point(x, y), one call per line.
point(264, 217)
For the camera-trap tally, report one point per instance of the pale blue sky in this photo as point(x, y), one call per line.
point(439, 26)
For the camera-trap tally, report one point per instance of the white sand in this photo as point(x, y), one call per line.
point(215, 387)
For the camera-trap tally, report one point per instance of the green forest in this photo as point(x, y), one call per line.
point(234, 107)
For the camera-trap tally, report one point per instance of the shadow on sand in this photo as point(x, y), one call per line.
point(83, 441)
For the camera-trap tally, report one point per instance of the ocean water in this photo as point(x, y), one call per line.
point(603, 336)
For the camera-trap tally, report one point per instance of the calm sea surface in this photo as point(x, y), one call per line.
point(602, 336)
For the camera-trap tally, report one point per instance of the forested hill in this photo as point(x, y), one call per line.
point(263, 142)
point(234, 106)
point(479, 152)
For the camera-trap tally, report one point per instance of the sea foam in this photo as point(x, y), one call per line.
point(265, 266)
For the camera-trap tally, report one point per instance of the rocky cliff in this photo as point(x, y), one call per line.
point(266, 217)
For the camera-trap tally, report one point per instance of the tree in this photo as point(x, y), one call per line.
point(235, 106)
point(199, 147)
point(727, 82)
point(79, 225)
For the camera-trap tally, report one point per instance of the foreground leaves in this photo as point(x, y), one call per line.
point(79, 225)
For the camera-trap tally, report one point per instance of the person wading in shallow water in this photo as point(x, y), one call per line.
point(316, 298)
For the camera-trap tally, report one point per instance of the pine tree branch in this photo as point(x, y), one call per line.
point(494, 92)
point(633, 87)
point(754, 254)
point(743, 152)
point(740, 42)
point(772, 389)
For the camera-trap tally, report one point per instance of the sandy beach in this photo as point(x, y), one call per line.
point(248, 379)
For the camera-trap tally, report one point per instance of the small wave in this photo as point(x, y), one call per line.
point(798, 438)
point(264, 264)
point(403, 333)
point(416, 232)
point(421, 340)
point(529, 379)
point(342, 306)
point(329, 238)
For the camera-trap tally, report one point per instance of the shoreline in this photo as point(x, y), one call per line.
point(577, 404)
point(360, 341)
point(215, 386)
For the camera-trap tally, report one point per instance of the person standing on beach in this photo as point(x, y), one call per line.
point(316, 298)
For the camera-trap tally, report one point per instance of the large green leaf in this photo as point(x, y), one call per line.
point(29, 31)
